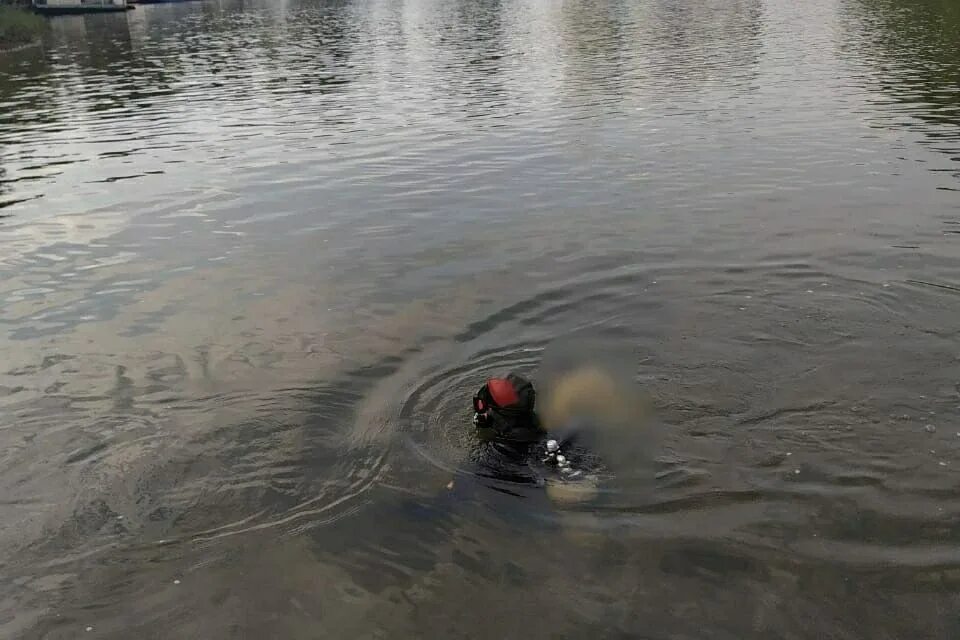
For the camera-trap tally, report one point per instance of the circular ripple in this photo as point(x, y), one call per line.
point(437, 413)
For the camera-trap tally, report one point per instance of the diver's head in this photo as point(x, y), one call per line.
point(504, 410)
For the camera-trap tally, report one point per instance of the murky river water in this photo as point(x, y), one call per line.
point(255, 257)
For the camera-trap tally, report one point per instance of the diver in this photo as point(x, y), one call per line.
point(506, 419)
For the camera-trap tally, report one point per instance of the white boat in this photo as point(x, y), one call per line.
point(80, 6)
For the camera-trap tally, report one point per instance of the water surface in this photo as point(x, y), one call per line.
point(255, 257)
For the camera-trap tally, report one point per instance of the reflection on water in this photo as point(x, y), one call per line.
point(256, 257)
point(908, 52)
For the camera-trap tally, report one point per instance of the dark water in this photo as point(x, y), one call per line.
point(256, 256)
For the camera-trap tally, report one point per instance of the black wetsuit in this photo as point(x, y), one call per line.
point(524, 457)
